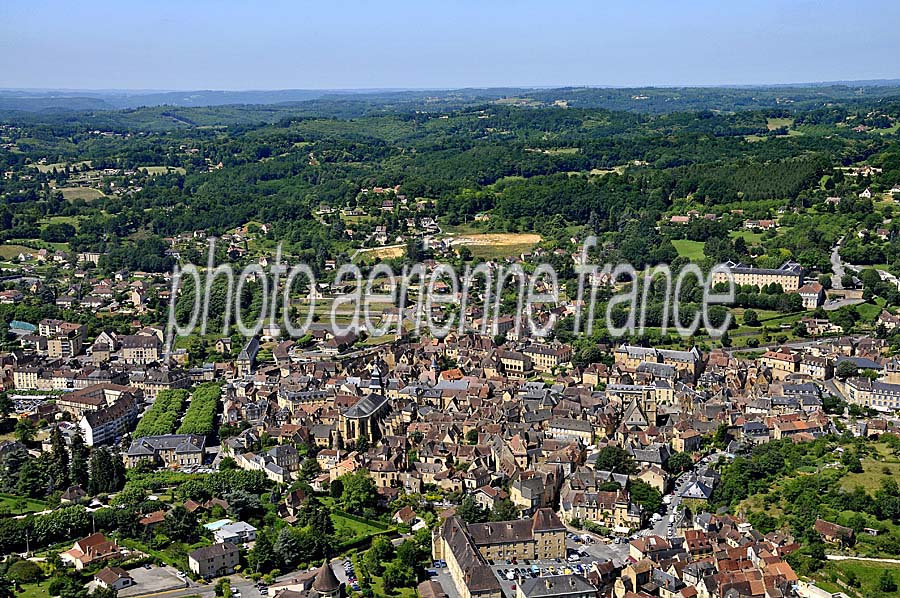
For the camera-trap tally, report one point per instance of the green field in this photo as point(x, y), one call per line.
point(348, 528)
point(867, 574)
point(153, 170)
point(867, 312)
point(497, 252)
point(59, 165)
point(17, 505)
point(34, 590)
point(378, 588)
point(777, 123)
point(749, 236)
point(693, 250)
point(85, 193)
point(9, 252)
point(872, 474)
point(73, 220)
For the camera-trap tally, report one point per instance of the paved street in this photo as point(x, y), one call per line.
point(837, 267)
point(246, 587)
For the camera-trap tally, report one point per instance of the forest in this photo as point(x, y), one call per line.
point(572, 161)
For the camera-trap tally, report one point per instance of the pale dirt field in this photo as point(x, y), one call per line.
point(384, 253)
point(498, 239)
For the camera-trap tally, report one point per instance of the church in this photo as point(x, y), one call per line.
point(363, 420)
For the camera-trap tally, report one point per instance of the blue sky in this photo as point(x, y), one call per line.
point(331, 44)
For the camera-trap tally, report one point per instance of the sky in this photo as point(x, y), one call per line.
point(365, 44)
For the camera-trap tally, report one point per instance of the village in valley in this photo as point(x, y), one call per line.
point(170, 436)
point(470, 465)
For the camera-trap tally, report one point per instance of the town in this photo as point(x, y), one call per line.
point(491, 465)
point(422, 340)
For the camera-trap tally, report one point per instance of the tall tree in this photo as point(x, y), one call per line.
point(25, 430)
point(470, 511)
point(358, 491)
point(107, 472)
point(182, 525)
point(59, 472)
point(6, 405)
point(262, 557)
point(80, 454)
point(32, 479)
point(287, 548)
point(505, 510)
point(615, 459)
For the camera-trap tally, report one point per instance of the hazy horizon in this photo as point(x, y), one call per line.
point(891, 81)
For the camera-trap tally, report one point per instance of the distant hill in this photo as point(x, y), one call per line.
point(356, 103)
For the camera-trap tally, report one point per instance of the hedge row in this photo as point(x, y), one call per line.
point(162, 417)
point(202, 411)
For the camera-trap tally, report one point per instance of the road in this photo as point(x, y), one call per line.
point(834, 389)
point(888, 277)
point(246, 587)
point(837, 266)
point(840, 557)
point(661, 527)
point(836, 303)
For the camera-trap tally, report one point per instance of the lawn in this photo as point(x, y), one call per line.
point(693, 250)
point(777, 123)
point(750, 237)
point(497, 252)
point(153, 170)
point(872, 474)
point(33, 245)
point(9, 252)
point(867, 312)
point(351, 528)
point(59, 165)
point(378, 588)
point(17, 505)
point(73, 220)
point(377, 584)
point(867, 573)
point(85, 193)
point(894, 128)
point(34, 590)
point(763, 314)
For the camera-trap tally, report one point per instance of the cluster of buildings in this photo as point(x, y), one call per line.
point(506, 419)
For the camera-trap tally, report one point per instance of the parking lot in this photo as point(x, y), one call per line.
point(576, 563)
point(599, 550)
point(153, 580)
point(443, 578)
